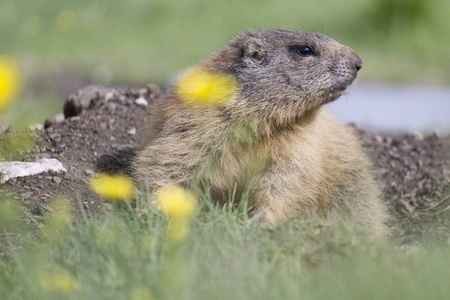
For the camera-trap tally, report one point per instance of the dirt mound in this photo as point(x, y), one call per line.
point(99, 133)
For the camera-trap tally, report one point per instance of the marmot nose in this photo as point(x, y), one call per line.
point(358, 64)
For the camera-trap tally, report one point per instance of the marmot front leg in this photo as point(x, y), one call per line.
point(274, 202)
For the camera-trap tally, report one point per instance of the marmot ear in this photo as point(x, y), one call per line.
point(255, 50)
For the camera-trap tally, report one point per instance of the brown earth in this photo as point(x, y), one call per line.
point(99, 134)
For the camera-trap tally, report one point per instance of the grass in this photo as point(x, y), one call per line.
point(125, 253)
point(144, 41)
point(121, 43)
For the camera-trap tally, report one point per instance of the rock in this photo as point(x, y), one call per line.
point(81, 100)
point(141, 101)
point(89, 172)
point(112, 106)
point(153, 90)
point(3, 127)
point(143, 92)
point(14, 169)
point(132, 131)
point(25, 196)
point(59, 118)
point(132, 93)
point(45, 155)
point(36, 127)
point(56, 179)
point(110, 96)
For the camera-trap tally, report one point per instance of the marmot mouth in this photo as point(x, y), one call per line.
point(342, 86)
point(335, 94)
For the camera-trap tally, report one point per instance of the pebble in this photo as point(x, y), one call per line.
point(132, 131)
point(112, 106)
point(154, 90)
point(46, 155)
point(89, 172)
point(109, 96)
point(141, 101)
point(56, 179)
point(59, 118)
point(36, 127)
point(26, 195)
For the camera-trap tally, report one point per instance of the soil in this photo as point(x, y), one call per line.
point(99, 130)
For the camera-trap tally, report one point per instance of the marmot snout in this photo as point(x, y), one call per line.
point(250, 119)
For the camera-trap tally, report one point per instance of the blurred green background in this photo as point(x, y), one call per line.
point(63, 45)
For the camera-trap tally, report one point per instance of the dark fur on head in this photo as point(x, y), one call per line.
point(270, 62)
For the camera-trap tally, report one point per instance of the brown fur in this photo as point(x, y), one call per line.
point(273, 139)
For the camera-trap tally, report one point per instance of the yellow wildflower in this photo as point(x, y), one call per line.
point(65, 20)
point(179, 204)
point(9, 81)
point(113, 187)
point(61, 281)
point(176, 202)
point(201, 87)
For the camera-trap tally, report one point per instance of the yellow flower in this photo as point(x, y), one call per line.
point(113, 187)
point(58, 281)
point(9, 81)
point(201, 87)
point(176, 202)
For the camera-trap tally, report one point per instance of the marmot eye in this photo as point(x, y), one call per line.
point(305, 50)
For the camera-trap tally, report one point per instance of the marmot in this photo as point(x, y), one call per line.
point(268, 136)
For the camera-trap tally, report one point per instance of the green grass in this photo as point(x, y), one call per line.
point(144, 41)
point(124, 253)
point(134, 42)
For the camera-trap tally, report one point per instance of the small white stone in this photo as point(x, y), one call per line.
point(132, 131)
point(59, 118)
point(141, 101)
point(109, 96)
point(14, 169)
point(36, 126)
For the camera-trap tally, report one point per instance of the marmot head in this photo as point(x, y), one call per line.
point(285, 72)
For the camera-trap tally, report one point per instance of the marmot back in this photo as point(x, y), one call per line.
point(251, 117)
